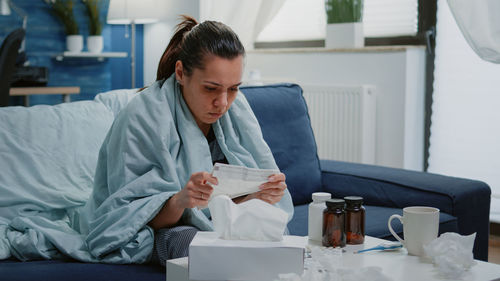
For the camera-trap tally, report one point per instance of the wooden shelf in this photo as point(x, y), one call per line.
point(98, 56)
point(28, 91)
point(23, 91)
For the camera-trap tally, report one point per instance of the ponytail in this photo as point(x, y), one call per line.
point(192, 41)
point(171, 54)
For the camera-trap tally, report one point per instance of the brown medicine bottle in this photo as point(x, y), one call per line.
point(334, 223)
point(354, 220)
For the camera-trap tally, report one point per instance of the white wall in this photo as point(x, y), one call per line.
point(398, 74)
point(157, 35)
point(465, 135)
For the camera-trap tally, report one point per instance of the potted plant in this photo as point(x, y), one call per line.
point(94, 40)
point(345, 27)
point(63, 9)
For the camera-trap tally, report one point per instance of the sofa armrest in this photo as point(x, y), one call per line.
point(467, 200)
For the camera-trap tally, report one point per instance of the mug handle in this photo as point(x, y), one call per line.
point(392, 231)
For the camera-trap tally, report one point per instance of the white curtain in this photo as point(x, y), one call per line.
point(296, 20)
point(465, 129)
point(479, 22)
point(246, 17)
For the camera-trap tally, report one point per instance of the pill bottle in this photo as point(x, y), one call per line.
point(315, 216)
point(354, 220)
point(334, 223)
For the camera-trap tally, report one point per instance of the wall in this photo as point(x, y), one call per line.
point(398, 74)
point(121, 72)
point(45, 38)
point(157, 36)
point(465, 135)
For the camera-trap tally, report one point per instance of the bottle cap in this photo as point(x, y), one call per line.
point(353, 199)
point(335, 203)
point(321, 196)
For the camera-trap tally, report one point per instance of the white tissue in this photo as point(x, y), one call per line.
point(251, 220)
point(452, 253)
point(325, 264)
point(372, 273)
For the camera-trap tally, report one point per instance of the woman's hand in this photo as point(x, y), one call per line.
point(271, 192)
point(196, 192)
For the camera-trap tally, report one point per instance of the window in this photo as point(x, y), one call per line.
point(305, 20)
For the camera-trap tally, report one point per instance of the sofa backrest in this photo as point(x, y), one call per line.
point(282, 114)
point(48, 154)
point(115, 100)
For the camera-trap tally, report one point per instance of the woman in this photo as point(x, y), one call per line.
point(153, 167)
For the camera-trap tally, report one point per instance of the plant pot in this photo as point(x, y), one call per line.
point(344, 35)
point(74, 43)
point(95, 43)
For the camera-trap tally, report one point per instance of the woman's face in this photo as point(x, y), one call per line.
point(209, 92)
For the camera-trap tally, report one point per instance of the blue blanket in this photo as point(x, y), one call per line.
point(152, 148)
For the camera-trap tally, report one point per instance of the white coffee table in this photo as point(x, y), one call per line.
point(396, 264)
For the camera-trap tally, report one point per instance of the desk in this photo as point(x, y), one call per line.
point(397, 265)
point(28, 91)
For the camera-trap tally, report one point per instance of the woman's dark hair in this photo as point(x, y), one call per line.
point(192, 41)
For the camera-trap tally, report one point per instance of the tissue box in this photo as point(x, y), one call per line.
point(211, 258)
point(177, 269)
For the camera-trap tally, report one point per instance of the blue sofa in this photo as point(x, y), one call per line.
point(282, 113)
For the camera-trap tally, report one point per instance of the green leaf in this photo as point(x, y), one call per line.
point(63, 10)
point(342, 11)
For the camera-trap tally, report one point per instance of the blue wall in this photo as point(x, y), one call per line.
point(45, 38)
point(120, 68)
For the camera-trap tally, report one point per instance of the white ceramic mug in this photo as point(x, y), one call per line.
point(420, 226)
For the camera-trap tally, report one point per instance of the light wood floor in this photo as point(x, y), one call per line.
point(494, 249)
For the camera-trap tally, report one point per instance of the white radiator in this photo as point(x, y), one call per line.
point(343, 121)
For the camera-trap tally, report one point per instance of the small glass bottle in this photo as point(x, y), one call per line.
point(334, 223)
point(315, 217)
point(354, 220)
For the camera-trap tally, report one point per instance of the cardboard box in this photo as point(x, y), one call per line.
point(211, 258)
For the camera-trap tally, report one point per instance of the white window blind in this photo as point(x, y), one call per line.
point(300, 20)
point(389, 18)
point(465, 134)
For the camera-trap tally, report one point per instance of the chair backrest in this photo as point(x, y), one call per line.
point(8, 56)
point(282, 114)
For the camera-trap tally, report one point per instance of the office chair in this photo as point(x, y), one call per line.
point(8, 56)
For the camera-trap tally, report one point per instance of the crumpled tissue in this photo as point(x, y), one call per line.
point(325, 264)
point(452, 253)
point(251, 220)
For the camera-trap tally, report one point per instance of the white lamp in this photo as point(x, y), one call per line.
point(133, 12)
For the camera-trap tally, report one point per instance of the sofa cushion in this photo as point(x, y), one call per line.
point(375, 224)
point(48, 156)
point(116, 100)
point(283, 117)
